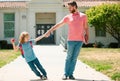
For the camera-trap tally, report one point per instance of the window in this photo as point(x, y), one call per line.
point(9, 25)
point(100, 32)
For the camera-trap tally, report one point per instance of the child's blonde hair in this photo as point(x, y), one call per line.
point(22, 37)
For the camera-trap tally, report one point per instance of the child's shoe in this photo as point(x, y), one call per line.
point(44, 77)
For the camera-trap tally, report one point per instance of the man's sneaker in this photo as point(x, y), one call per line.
point(72, 77)
point(43, 77)
point(64, 77)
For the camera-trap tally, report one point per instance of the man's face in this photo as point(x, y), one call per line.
point(72, 9)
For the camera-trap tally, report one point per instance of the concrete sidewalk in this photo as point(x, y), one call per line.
point(53, 59)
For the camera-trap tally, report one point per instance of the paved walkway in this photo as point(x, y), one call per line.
point(53, 59)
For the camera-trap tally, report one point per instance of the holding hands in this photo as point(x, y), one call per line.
point(47, 34)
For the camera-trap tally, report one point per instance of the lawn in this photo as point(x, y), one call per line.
point(104, 60)
point(6, 56)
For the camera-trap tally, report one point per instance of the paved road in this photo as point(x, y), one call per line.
point(53, 59)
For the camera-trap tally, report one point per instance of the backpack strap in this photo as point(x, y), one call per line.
point(31, 44)
point(21, 49)
point(22, 52)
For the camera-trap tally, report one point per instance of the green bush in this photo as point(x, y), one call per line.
point(106, 17)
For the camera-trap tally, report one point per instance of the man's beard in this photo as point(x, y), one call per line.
point(72, 11)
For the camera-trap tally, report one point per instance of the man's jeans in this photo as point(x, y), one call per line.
point(72, 54)
point(36, 67)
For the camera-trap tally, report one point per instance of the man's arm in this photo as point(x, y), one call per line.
point(39, 38)
point(86, 32)
point(60, 24)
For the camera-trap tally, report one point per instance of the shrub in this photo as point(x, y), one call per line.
point(113, 45)
point(3, 44)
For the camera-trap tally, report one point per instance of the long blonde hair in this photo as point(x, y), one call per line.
point(22, 37)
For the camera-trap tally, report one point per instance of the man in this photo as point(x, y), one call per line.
point(77, 34)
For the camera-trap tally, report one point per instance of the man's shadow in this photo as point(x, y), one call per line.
point(82, 80)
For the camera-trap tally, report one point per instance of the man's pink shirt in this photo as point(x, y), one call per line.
point(76, 22)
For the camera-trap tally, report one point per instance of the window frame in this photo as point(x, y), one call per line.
point(98, 32)
point(12, 29)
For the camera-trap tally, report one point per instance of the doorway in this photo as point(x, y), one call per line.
point(44, 21)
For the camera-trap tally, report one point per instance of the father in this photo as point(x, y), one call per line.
point(77, 34)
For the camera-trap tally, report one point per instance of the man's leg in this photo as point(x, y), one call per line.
point(74, 57)
point(69, 57)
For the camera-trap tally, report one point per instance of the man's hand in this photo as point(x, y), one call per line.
point(58, 25)
point(86, 39)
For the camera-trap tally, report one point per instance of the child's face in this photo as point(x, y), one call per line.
point(27, 38)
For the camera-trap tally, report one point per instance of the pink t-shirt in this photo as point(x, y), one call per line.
point(76, 30)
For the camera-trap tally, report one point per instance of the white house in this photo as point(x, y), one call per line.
point(37, 16)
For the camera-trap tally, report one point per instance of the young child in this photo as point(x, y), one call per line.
point(31, 59)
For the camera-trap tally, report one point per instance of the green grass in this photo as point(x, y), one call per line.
point(116, 76)
point(100, 66)
point(6, 56)
point(104, 60)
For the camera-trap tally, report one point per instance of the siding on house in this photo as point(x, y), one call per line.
point(25, 17)
point(43, 6)
point(19, 22)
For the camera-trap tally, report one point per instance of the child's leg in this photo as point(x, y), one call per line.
point(37, 63)
point(34, 69)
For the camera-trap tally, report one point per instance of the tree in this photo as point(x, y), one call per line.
point(106, 16)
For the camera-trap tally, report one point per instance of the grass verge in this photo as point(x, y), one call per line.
point(104, 60)
point(6, 56)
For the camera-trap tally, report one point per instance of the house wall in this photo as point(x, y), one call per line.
point(104, 40)
point(20, 23)
point(39, 6)
point(25, 18)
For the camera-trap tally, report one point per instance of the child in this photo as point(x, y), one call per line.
point(31, 59)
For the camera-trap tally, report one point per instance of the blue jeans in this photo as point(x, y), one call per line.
point(72, 54)
point(36, 67)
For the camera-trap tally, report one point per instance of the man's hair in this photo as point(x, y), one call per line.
point(73, 3)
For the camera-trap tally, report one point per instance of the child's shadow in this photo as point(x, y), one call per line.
point(37, 80)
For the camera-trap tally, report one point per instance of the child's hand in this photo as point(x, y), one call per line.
point(12, 40)
point(43, 35)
